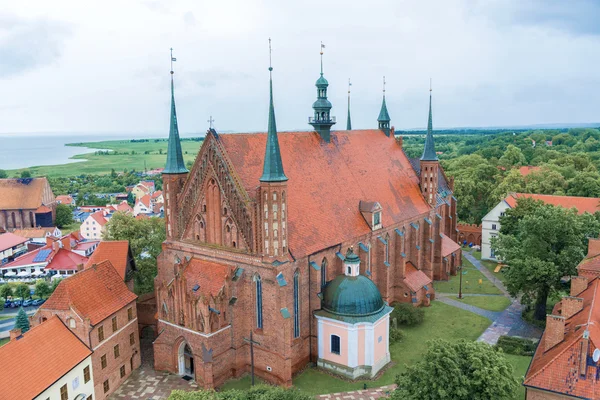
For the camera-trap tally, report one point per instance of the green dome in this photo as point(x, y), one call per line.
point(322, 103)
point(322, 81)
point(352, 296)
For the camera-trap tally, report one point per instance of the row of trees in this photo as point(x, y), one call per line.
point(43, 289)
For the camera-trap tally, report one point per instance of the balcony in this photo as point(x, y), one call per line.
point(313, 120)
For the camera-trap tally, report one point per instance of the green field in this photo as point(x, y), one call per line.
point(492, 303)
point(441, 321)
point(470, 283)
point(520, 365)
point(120, 158)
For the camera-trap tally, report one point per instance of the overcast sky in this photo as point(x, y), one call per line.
point(103, 66)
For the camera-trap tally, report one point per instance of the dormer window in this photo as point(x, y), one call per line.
point(377, 218)
point(371, 212)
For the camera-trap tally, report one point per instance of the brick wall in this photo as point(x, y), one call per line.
point(469, 232)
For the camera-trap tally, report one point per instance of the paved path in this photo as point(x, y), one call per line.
point(488, 274)
point(369, 394)
point(492, 315)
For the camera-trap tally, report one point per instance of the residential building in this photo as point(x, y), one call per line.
point(143, 188)
point(94, 225)
point(490, 224)
point(11, 247)
point(65, 199)
point(143, 205)
point(47, 362)
point(97, 306)
point(565, 363)
point(157, 197)
point(26, 203)
point(120, 256)
point(251, 248)
point(38, 235)
point(91, 209)
point(123, 207)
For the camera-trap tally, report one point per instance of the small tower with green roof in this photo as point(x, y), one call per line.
point(384, 117)
point(348, 120)
point(322, 120)
point(175, 172)
point(430, 165)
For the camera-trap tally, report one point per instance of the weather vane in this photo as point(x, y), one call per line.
point(210, 122)
point(322, 47)
point(172, 59)
point(384, 85)
point(349, 84)
point(270, 66)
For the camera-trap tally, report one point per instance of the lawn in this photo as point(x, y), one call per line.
point(470, 282)
point(490, 266)
point(520, 365)
point(441, 321)
point(123, 159)
point(4, 341)
point(491, 303)
point(70, 228)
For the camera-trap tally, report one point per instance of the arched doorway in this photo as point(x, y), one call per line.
point(186, 360)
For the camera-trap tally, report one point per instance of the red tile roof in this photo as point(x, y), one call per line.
point(414, 278)
point(557, 368)
point(529, 169)
point(98, 216)
point(26, 194)
point(8, 240)
point(31, 364)
point(145, 200)
point(33, 233)
point(64, 199)
point(582, 204)
point(449, 246)
point(65, 260)
point(117, 252)
point(156, 194)
point(209, 275)
point(589, 266)
point(95, 293)
point(42, 210)
point(148, 184)
point(27, 258)
point(328, 180)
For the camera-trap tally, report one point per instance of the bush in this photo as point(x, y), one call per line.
point(516, 345)
point(396, 335)
point(407, 314)
point(259, 392)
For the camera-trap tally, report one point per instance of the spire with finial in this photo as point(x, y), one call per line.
point(384, 116)
point(322, 120)
point(175, 164)
point(348, 121)
point(429, 150)
point(273, 166)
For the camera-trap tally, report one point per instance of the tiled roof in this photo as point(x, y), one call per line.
point(148, 184)
point(414, 278)
point(42, 210)
point(582, 204)
point(65, 260)
point(95, 293)
point(28, 258)
point(16, 194)
point(99, 217)
point(449, 246)
point(64, 199)
point(145, 200)
point(210, 276)
point(117, 252)
point(328, 180)
point(8, 240)
point(31, 364)
point(33, 233)
point(528, 169)
point(557, 369)
point(156, 194)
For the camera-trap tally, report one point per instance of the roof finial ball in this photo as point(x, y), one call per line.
point(270, 66)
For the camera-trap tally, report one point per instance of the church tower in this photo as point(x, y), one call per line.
point(322, 120)
point(430, 165)
point(273, 188)
point(175, 172)
point(384, 118)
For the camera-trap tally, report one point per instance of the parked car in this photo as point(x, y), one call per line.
point(7, 303)
point(38, 302)
point(16, 303)
point(27, 303)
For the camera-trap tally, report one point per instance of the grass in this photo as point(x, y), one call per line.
point(520, 365)
point(441, 321)
point(70, 228)
point(470, 282)
point(491, 303)
point(4, 341)
point(93, 163)
point(3, 317)
point(490, 266)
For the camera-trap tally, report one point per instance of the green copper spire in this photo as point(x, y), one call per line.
point(322, 121)
point(175, 164)
point(384, 117)
point(349, 121)
point(429, 150)
point(273, 166)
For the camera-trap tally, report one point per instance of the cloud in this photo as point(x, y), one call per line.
point(26, 44)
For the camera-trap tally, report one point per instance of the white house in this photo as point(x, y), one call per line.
point(52, 363)
point(490, 227)
point(94, 226)
point(143, 205)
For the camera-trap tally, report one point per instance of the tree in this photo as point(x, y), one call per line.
point(54, 285)
point(542, 243)
point(22, 291)
point(3, 174)
point(461, 370)
point(42, 289)
point(6, 291)
point(26, 174)
point(512, 157)
point(145, 237)
point(586, 184)
point(64, 215)
point(22, 322)
point(513, 182)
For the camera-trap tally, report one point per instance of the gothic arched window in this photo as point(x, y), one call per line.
point(387, 248)
point(259, 309)
point(296, 304)
point(323, 272)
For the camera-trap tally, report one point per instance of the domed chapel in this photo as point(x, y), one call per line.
point(258, 232)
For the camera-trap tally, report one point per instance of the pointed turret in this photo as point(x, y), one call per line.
point(384, 116)
point(175, 164)
point(273, 167)
point(429, 150)
point(349, 121)
point(322, 120)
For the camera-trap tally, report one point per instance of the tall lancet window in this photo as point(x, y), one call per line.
point(259, 308)
point(296, 304)
point(323, 272)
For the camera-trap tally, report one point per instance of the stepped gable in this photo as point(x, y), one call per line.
point(328, 180)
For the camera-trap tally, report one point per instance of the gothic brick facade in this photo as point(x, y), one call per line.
point(26, 203)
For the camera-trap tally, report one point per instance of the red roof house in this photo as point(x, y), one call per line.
point(582, 204)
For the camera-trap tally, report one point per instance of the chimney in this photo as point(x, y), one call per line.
point(49, 240)
point(571, 306)
point(66, 242)
point(593, 247)
point(578, 284)
point(555, 331)
point(15, 333)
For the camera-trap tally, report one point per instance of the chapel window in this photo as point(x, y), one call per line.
point(259, 309)
point(297, 304)
point(335, 344)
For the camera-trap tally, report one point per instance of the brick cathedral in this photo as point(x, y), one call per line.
point(263, 222)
